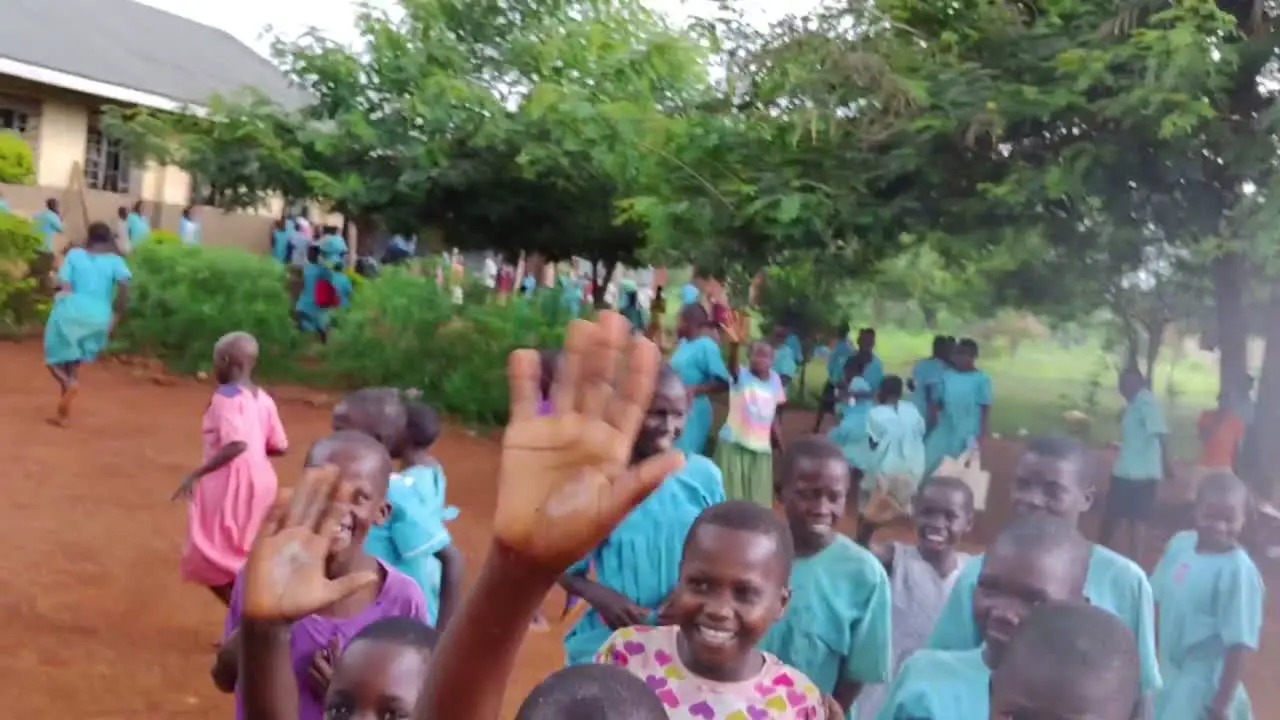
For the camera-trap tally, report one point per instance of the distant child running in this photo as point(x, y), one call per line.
point(837, 627)
point(926, 375)
point(1142, 462)
point(1211, 599)
point(701, 367)
point(325, 285)
point(872, 367)
point(732, 588)
point(235, 485)
point(921, 575)
point(638, 565)
point(324, 585)
point(895, 465)
point(93, 294)
point(852, 434)
point(961, 409)
point(839, 355)
point(1033, 561)
point(1067, 661)
point(745, 450)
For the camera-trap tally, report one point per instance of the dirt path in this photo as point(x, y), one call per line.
point(100, 624)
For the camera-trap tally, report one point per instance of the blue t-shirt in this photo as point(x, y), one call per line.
point(139, 228)
point(940, 685)
point(48, 224)
point(1142, 429)
point(689, 294)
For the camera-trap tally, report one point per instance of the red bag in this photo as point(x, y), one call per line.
point(326, 295)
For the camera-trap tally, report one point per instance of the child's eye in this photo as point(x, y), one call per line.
point(337, 711)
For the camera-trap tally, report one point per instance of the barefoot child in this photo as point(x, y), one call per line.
point(319, 562)
point(235, 485)
point(701, 367)
point(837, 626)
point(1034, 560)
point(638, 566)
point(960, 411)
point(592, 692)
point(93, 294)
point(1211, 600)
point(733, 587)
point(1053, 479)
point(1068, 661)
point(895, 466)
point(744, 452)
point(921, 575)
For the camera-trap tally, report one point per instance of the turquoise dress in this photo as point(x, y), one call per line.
point(281, 244)
point(963, 395)
point(311, 316)
point(836, 361)
point(189, 231)
point(797, 349)
point(940, 685)
point(48, 224)
point(1114, 583)
point(81, 318)
point(785, 361)
point(1209, 603)
point(851, 434)
point(898, 432)
point(641, 558)
point(571, 296)
point(698, 362)
point(927, 376)
point(139, 229)
point(873, 373)
point(838, 626)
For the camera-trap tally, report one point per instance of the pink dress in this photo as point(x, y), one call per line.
point(229, 504)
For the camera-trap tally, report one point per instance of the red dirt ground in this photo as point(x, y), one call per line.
point(101, 625)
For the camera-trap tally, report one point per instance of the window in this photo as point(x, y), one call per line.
point(14, 119)
point(20, 116)
point(106, 166)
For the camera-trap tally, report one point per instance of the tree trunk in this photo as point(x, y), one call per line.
point(1233, 331)
point(930, 317)
point(1262, 458)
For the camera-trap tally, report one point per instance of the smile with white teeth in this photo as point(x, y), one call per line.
point(933, 535)
point(715, 637)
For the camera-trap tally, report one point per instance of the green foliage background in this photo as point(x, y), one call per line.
point(24, 303)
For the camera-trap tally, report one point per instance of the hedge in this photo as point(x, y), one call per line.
point(24, 299)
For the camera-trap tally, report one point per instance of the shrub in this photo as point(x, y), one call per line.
point(184, 298)
point(163, 237)
point(24, 303)
point(403, 330)
point(17, 163)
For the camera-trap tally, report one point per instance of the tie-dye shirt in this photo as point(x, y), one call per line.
point(778, 692)
point(753, 404)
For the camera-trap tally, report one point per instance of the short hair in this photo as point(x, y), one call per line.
point(422, 425)
point(592, 692)
point(378, 411)
point(940, 343)
point(1065, 449)
point(1223, 483)
point(1077, 650)
point(968, 344)
point(954, 484)
point(1046, 536)
point(322, 451)
point(810, 447)
point(868, 331)
point(695, 316)
point(403, 631)
point(748, 517)
point(891, 386)
point(99, 234)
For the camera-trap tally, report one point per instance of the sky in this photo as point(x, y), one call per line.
point(246, 19)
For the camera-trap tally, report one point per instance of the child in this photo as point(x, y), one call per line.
point(235, 485)
point(895, 465)
point(701, 367)
point(637, 567)
point(926, 376)
point(837, 626)
point(1034, 560)
point(922, 575)
point(592, 692)
point(733, 587)
point(786, 359)
point(959, 414)
point(323, 585)
point(1054, 479)
point(1142, 462)
point(1067, 661)
point(378, 412)
point(836, 360)
point(872, 368)
point(1211, 600)
point(325, 285)
point(93, 294)
point(851, 434)
point(414, 540)
point(745, 450)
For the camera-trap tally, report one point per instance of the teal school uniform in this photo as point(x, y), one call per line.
point(698, 362)
point(571, 296)
point(873, 373)
point(927, 377)
point(641, 557)
point(836, 361)
point(898, 432)
point(1141, 430)
point(784, 361)
point(189, 231)
point(1114, 583)
point(139, 229)
point(838, 625)
point(48, 224)
point(78, 325)
point(797, 349)
point(963, 395)
point(940, 685)
point(416, 531)
point(852, 432)
point(689, 294)
point(1208, 603)
point(281, 245)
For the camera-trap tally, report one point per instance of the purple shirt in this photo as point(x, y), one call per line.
point(400, 597)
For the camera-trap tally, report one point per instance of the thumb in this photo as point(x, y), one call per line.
point(335, 647)
point(347, 585)
point(638, 482)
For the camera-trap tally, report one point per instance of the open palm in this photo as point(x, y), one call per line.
point(566, 479)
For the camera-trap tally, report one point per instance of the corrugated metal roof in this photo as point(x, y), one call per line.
point(132, 45)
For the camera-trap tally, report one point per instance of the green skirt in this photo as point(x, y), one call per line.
point(748, 474)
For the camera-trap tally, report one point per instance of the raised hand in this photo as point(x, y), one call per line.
point(285, 576)
point(566, 479)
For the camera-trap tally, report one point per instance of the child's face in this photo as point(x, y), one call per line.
point(665, 419)
point(941, 518)
point(761, 358)
point(376, 680)
point(963, 358)
point(1052, 486)
point(814, 498)
point(1016, 697)
point(866, 343)
point(732, 588)
point(368, 477)
point(1012, 584)
point(1219, 519)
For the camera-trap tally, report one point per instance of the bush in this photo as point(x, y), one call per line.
point(24, 303)
point(184, 298)
point(404, 331)
point(17, 163)
point(163, 238)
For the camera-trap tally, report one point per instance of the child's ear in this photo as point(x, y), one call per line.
point(783, 601)
point(384, 513)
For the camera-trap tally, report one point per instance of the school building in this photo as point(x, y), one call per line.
point(62, 61)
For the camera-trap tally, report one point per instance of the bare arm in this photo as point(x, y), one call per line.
point(1229, 681)
point(270, 690)
point(452, 571)
point(226, 666)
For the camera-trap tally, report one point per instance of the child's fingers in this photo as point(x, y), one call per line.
point(312, 498)
point(638, 482)
point(274, 521)
point(600, 365)
point(564, 389)
point(630, 404)
point(347, 585)
point(524, 373)
point(335, 510)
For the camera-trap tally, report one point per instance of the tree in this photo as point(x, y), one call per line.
point(17, 164)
